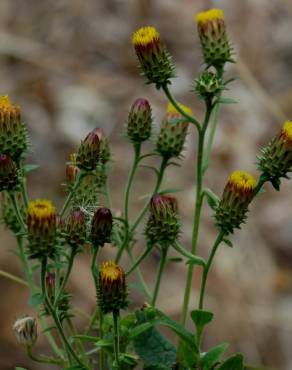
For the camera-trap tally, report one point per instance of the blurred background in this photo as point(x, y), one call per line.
point(71, 67)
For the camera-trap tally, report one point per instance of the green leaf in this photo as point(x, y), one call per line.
point(20, 368)
point(152, 347)
point(211, 358)
point(189, 358)
point(228, 243)
point(232, 363)
point(140, 329)
point(36, 300)
point(27, 168)
point(201, 318)
point(104, 343)
point(49, 328)
point(212, 198)
point(86, 338)
point(227, 101)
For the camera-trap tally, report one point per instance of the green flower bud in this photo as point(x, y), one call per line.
point(163, 224)
point(208, 85)
point(233, 206)
point(101, 227)
point(13, 133)
point(75, 228)
point(276, 158)
point(8, 213)
point(212, 32)
point(8, 173)
point(139, 122)
point(172, 135)
point(104, 150)
point(112, 291)
point(89, 152)
point(25, 330)
point(41, 228)
point(155, 62)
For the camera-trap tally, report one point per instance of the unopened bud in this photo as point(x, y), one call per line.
point(75, 228)
point(139, 123)
point(8, 173)
point(88, 152)
point(101, 227)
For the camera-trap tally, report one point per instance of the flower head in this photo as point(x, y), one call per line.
point(25, 330)
point(171, 138)
point(13, 134)
point(8, 173)
point(155, 62)
point(88, 154)
point(139, 123)
point(213, 37)
point(163, 225)
point(275, 160)
point(233, 206)
point(76, 228)
point(101, 227)
point(112, 293)
point(41, 227)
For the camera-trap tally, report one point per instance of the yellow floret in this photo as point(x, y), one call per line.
point(172, 110)
point(209, 15)
point(145, 35)
point(110, 271)
point(41, 209)
point(287, 129)
point(242, 180)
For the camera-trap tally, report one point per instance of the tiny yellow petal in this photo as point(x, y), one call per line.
point(41, 209)
point(242, 180)
point(209, 15)
point(111, 271)
point(145, 35)
point(172, 110)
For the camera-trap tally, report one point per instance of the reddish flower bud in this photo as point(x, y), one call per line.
point(101, 227)
point(75, 228)
point(139, 122)
point(88, 152)
point(104, 150)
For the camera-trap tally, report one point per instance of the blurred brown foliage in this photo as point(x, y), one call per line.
point(70, 65)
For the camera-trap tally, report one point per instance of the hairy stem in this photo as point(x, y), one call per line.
point(116, 316)
point(78, 180)
point(162, 264)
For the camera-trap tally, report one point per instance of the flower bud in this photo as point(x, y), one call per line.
point(8, 213)
point(112, 291)
point(88, 152)
point(50, 284)
point(71, 170)
point(101, 227)
point(155, 62)
point(213, 37)
point(163, 224)
point(233, 206)
point(208, 85)
point(104, 150)
point(139, 122)
point(275, 160)
point(13, 133)
point(8, 173)
point(25, 330)
point(41, 228)
point(172, 135)
point(75, 228)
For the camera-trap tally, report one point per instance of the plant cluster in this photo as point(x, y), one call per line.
point(49, 241)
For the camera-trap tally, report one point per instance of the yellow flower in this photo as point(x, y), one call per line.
point(242, 181)
point(172, 110)
point(209, 15)
point(41, 210)
point(110, 273)
point(287, 130)
point(145, 36)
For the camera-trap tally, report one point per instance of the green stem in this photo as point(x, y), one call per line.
point(197, 215)
point(195, 259)
point(97, 312)
point(108, 194)
point(68, 272)
point(207, 268)
point(139, 260)
point(162, 169)
point(178, 108)
point(137, 149)
point(55, 316)
point(78, 180)
point(16, 209)
point(162, 264)
point(116, 316)
point(43, 360)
